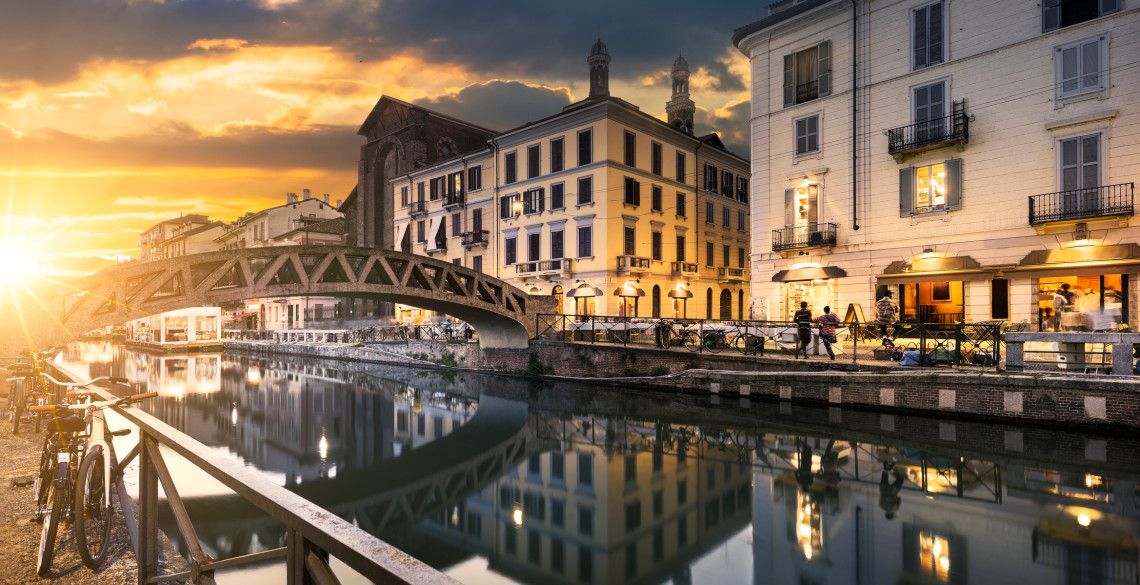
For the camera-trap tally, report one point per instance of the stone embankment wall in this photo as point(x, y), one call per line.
point(466, 355)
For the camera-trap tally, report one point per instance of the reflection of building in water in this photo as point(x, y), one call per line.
point(888, 515)
point(175, 375)
point(618, 503)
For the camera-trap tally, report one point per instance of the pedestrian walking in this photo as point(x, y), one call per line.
point(803, 321)
point(827, 322)
point(888, 314)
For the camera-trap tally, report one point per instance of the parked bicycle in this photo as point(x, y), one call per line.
point(27, 385)
point(83, 493)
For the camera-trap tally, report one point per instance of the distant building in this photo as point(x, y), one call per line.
point(971, 156)
point(187, 234)
point(599, 205)
point(259, 229)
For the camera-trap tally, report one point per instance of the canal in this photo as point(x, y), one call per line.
point(493, 479)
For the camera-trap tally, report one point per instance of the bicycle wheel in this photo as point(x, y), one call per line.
point(691, 341)
point(714, 341)
point(747, 343)
point(93, 515)
point(55, 498)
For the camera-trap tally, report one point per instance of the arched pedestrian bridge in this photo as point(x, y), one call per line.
point(503, 315)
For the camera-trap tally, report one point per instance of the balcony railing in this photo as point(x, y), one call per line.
point(928, 134)
point(728, 274)
point(632, 264)
point(453, 200)
point(417, 208)
point(476, 238)
point(684, 268)
point(813, 235)
point(807, 91)
point(545, 267)
point(1106, 201)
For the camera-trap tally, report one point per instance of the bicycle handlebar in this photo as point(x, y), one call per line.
point(95, 405)
point(72, 385)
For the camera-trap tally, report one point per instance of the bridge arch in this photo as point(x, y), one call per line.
point(504, 316)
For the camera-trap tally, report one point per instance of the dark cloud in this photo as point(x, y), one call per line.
point(732, 128)
point(499, 105)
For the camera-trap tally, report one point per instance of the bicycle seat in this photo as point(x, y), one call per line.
point(80, 393)
point(21, 369)
point(68, 424)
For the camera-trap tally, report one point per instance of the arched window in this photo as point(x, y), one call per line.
point(656, 302)
point(726, 304)
point(558, 294)
point(708, 304)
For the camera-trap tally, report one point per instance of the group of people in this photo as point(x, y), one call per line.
point(887, 314)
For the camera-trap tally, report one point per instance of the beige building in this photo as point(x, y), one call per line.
point(971, 155)
point(612, 210)
point(188, 234)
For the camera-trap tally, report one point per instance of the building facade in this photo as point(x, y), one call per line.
point(609, 209)
point(188, 234)
point(971, 155)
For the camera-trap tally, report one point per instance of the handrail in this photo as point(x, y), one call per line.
point(949, 128)
point(1081, 203)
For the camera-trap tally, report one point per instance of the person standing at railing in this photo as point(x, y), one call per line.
point(827, 322)
point(888, 314)
point(803, 320)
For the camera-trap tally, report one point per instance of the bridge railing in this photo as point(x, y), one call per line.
point(977, 344)
point(378, 333)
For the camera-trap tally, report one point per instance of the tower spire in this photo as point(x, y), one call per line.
point(599, 61)
point(680, 110)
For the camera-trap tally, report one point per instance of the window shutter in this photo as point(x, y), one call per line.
point(824, 68)
point(934, 18)
point(1108, 6)
point(1090, 65)
point(1070, 70)
point(1051, 15)
point(813, 205)
point(789, 81)
point(906, 191)
point(953, 184)
point(920, 40)
point(789, 207)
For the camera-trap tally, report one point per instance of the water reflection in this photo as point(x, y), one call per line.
point(491, 479)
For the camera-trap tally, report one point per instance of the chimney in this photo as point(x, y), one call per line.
point(326, 198)
point(338, 202)
point(290, 198)
point(307, 194)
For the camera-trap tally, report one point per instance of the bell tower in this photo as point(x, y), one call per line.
point(599, 61)
point(680, 109)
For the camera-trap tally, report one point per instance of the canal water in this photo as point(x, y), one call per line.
point(498, 480)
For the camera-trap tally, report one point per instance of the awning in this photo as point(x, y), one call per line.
point(934, 269)
point(628, 290)
point(680, 294)
point(1079, 261)
point(401, 230)
point(584, 291)
point(809, 273)
point(433, 230)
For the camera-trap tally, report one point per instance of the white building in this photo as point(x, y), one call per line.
point(972, 155)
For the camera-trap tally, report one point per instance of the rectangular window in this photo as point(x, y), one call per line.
point(709, 252)
point(534, 547)
point(935, 187)
point(680, 204)
point(740, 220)
point(1057, 14)
point(680, 248)
point(655, 163)
point(807, 74)
point(633, 516)
point(510, 251)
point(420, 191)
point(507, 206)
point(557, 155)
point(534, 201)
point(711, 178)
point(477, 263)
point(801, 207)
point(585, 241)
point(726, 217)
point(421, 235)
point(656, 246)
point(556, 245)
point(557, 512)
point(727, 257)
point(455, 225)
point(533, 247)
point(475, 178)
point(632, 191)
point(927, 35)
point(476, 220)
point(533, 161)
point(630, 148)
point(557, 556)
point(1080, 67)
point(404, 196)
point(930, 112)
point(455, 185)
point(585, 147)
point(682, 493)
point(710, 212)
point(655, 198)
point(1080, 174)
point(807, 135)
point(740, 257)
point(585, 190)
point(727, 183)
point(510, 168)
point(585, 460)
point(558, 196)
point(742, 189)
point(630, 241)
point(681, 175)
point(585, 565)
point(437, 187)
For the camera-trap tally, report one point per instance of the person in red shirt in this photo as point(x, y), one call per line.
point(827, 322)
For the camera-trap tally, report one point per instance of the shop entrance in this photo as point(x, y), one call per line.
point(1092, 303)
point(938, 303)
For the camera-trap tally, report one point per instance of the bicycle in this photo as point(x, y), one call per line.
point(27, 385)
point(83, 495)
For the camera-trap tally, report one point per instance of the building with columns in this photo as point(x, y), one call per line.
point(971, 155)
point(608, 208)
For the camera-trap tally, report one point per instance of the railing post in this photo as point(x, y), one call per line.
point(148, 513)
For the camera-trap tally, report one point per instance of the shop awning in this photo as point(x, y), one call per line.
point(584, 291)
point(680, 294)
point(809, 273)
point(1079, 261)
point(400, 231)
point(628, 290)
point(935, 269)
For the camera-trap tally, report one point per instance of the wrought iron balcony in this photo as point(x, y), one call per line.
point(1106, 201)
point(930, 134)
point(813, 235)
point(453, 201)
point(476, 238)
point(417, 208)
point(684, 269)
point(563, 266)
point(632, 264)
point(807, 91)
point(729, 274)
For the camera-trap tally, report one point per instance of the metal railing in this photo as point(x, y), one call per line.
point(1088, 203)
point(475, 238)
point(627, 262)
point(452, 200)
point(935, 344)
point(417, 208)
point(378, 333)
point(809, 236)
point(926, 133)
point(807, 91)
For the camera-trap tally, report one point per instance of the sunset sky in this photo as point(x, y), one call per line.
point(118, 114)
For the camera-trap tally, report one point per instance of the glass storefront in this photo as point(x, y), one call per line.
point(1092, 303)
point(928, 302)
point(817, 293)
